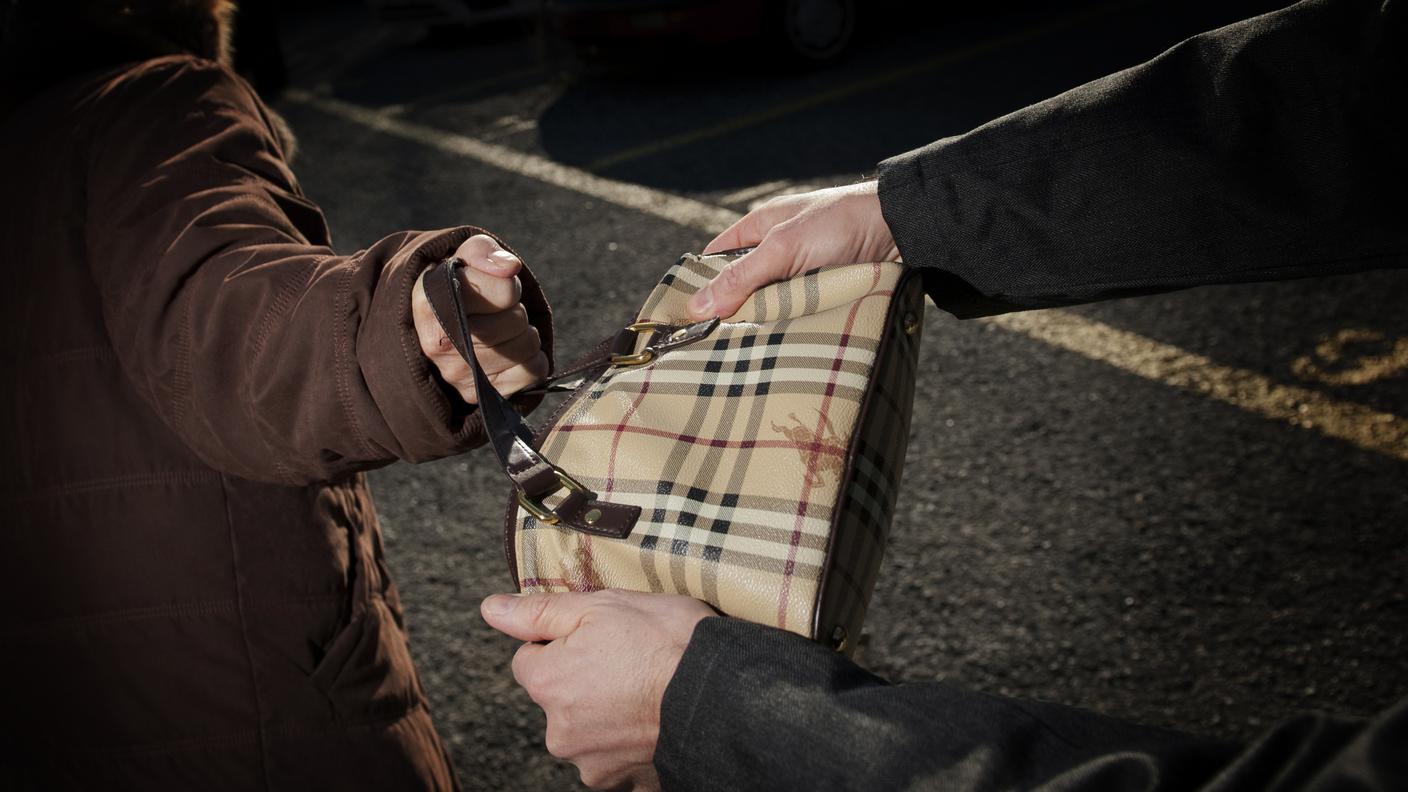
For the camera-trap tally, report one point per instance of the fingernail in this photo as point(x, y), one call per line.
point(702, 302)
point(498, 604)
point(503, 259)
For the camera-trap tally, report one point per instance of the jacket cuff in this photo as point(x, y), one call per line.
point(679, 748)
point(908, 208)
point(917, 206)
point(754, 707)
point(426, 418)
point(731, 673)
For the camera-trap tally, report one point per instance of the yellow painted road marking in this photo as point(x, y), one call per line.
point(1365, 427)
point(1329, 364)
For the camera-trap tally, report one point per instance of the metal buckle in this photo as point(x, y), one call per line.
point(537, 508)
point(645, 355)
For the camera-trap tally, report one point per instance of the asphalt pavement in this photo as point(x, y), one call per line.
point(1076, 524)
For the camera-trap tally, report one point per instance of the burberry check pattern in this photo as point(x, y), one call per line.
point(736, 448)
point(873, 486)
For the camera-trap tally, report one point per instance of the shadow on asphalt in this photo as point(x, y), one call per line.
point(994, 61)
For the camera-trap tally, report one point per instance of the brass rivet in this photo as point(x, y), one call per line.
point(911, 324)
point(678, 334)
point(592, 516)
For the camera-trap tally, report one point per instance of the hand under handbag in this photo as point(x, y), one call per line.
point(752, 463)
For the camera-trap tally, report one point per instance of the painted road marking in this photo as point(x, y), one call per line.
point(764, 190)
point(674, 208)
point(1363, 426)
point(1367, 428)
point(508, 126)
point(1332, 364)
point(466, 88)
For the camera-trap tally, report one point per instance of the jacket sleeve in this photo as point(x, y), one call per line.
point(755, 708)
point(1269, 149)
point(272, 357)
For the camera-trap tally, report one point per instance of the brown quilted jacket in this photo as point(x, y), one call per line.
point(195, 596)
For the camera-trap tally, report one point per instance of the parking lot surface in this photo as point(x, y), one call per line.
point(1188, 510)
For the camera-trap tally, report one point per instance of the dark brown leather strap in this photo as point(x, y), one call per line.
point(511, 438)
point(621, 348)
point(588, 366)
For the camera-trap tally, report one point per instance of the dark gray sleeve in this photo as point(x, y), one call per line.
point(752, 707)
point(1269, 149)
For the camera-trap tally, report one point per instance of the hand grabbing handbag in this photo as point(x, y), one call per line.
point(752, 463)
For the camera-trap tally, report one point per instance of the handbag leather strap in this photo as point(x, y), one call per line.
point(511, 438)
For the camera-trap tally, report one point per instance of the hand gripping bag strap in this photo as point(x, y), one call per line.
point(534, 477)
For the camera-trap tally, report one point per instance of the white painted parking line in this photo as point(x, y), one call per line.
point(674, 208)
point(462, 89)
point(1355, 423)
point(764, 190)
point(508, 126)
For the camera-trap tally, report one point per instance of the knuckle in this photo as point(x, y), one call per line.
point(528, 343)
point(486, 330)
point(505, 354)
point(731, 277)
point(779, 201)
point(453, 370)
point(429, 331)
point(555, 740)
point(538, 609)
point(523, 669)
point(780, 238)
point(509, 383)
point(523, 373)
point(593, 777)
point(749, 227)
point(609, 597)
point(477, 245)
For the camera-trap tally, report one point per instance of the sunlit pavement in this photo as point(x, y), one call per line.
point(1188, 510)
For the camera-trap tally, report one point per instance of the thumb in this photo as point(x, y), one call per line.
point(499, 263)
point(737, 281)
point(533, 617)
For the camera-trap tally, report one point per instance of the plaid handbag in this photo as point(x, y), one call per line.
point(752, 463)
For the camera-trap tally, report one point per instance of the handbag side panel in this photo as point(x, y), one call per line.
point(714, 442)
point(876, 466)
